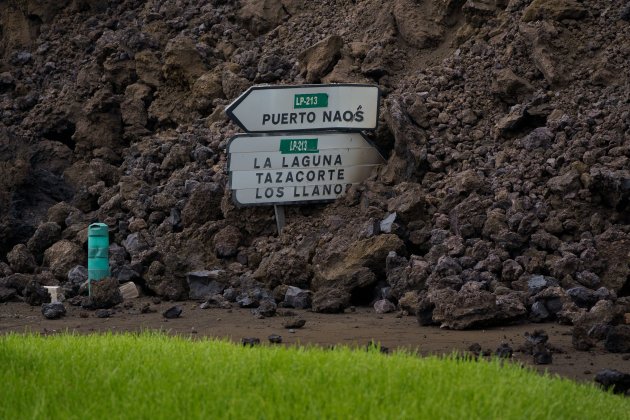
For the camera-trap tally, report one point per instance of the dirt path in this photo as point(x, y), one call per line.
point(354, 328)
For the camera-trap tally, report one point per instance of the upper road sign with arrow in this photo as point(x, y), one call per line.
point(339, 107)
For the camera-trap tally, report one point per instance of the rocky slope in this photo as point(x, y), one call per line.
point(506, 125)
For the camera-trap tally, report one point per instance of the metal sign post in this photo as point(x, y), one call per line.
point(279, 211)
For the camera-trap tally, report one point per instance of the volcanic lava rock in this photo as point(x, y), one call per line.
point(286, 267)
point(77, 276)
point(424, 312)
point(62, 257)
point(474, 307)
point(614, 245)
point(172, 312)
point(550, 302)
point(506, 158)
point(216, 301)
point(205, 283)
point(542, 356)
point(266, 308)
point(538, 283)
point(318, 60)
point(226, 241)
point(35, 294)
point(44, 237)
point(618, 339)
point(504, 351)
point(414, 26)
point(250, 341)
point(7, 294)
point(104, 295)
point(298, 298)
point(355, 269)
point(384, 306)
point(386, 225)
point(409, 302)
point(587, 327)
point(182, 60)
point(252, 295)
point(554, 9)
point(262, 16)
point(53, 310)
point(21, 260)
point(294, 323)
point(135, 243)
point(198, 209)
point(125, 274)
point(409, 204)
point(613, 379)
point(7, 82)
point(588, 279)
point(330, 301)
point(475, 349)
point(532, 340)
point(275, 339)
point(537, 344)
point(103, 313)
point(509, 86)
point(538, 312)
point(5, 270)
point(17, 282)
point(583, 297)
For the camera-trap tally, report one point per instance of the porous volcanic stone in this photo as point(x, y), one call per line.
point(53, 310)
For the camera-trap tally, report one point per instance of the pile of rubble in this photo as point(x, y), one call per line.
point(505, 124)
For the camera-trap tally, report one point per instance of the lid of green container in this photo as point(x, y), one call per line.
point(98, 229)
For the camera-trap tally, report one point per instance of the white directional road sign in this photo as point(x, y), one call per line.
point(292, 168)
point(339, 107)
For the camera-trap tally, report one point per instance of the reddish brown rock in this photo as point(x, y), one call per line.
point(62, 257)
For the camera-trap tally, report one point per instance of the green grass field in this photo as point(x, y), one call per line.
point(152, 376)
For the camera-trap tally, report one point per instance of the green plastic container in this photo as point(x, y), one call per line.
point(98, 252)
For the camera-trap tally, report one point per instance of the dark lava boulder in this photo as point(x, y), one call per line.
point(53, 310)
point(205, 283)
point(384, 306)
point(593, 326)
point(330, 301)
point(613, 379)
point(298, 298)
point(356, 267)
point(44, 237)
point(7, 294)
point(473, 307)
point(172, 312)
point(77, 277)
point(63, 256)
point(618, 339)
point(21, 260)
point(35, 294)
point(226, 241)
point(104, 294)
point(266, 308)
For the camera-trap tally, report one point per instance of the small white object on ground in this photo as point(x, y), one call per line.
point(53, 291)
point(129, 290)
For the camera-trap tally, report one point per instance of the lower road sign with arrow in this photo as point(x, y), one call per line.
point(292, 168)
